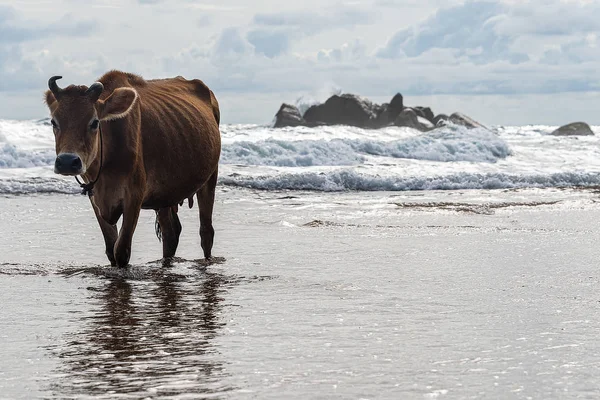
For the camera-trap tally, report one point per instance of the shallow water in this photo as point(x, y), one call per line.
point(322, 296)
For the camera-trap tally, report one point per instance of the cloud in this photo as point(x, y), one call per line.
point(254, 57)
point(469, 29)
point(347, 52)
point(231, 44)
point(552, 18)
point(580, 50)
point(310, 23)
point(465, 49)
point(24, 70)
point(486, 32)
point(271, 43)
point(15, 30)
point(17, 70)
point(11, 32)
point(413, 3)
point(6, 13)
point(273, 34)
point(204, 20)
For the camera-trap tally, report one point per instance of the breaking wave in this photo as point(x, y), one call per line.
point(13, 157)
point(343, 180)
point(446, 145)
point(337, 158)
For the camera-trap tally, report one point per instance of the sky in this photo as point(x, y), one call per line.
point(501, 62)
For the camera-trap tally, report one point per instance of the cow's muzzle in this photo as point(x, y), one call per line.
point(68, 164)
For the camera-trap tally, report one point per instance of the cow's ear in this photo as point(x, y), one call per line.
point(117, 105)
point(50, 100)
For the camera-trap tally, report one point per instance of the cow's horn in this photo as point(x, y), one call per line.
point(95, 90)
point(53, 86)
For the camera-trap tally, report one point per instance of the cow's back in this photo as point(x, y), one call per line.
point(180, 138)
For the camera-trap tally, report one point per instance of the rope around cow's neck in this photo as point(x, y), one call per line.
point(88, 188)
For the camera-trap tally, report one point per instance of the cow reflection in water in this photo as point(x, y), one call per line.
point(149, 338)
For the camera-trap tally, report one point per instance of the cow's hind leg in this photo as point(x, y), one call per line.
point(170, 228)
point(206, 199)
point(110, 234)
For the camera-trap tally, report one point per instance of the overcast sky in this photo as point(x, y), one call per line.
point(502, 62)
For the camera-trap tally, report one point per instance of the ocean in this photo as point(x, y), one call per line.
point(342, 158)
point(397, 265)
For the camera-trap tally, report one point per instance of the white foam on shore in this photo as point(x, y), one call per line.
point(38, 185)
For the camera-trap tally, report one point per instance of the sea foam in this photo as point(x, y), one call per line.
point(445, 146)
point(334, 158)
point(345, 179)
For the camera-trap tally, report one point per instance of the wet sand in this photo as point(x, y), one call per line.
point(412, 295)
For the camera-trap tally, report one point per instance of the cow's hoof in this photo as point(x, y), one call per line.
point(123, 259)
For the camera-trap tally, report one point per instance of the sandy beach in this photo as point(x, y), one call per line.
point(377, 295)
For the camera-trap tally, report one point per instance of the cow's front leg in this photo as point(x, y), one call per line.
point(110, 235)
point(122, 252)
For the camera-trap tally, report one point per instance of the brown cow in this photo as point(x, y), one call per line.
point(139, 144)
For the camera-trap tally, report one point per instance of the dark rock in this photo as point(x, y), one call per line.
point(440, 120)
point(397, 103)
point(425, 123)
point(388, 112)
point(574, 129)
point(462, 119)
point(385, 116)
point(425, 112)
point(315, 114)
point(288, 115)
point(409, 118)
point(347, 109)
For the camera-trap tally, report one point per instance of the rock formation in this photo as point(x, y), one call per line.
point(574, 129)
point(353, 110)
point(288, 115)
point(347, 109)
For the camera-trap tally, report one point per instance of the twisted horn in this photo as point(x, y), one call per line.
point(54, 87)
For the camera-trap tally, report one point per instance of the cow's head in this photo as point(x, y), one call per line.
point(76, 115)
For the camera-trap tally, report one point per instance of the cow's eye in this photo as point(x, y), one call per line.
point(94, 125)
point(53, 122)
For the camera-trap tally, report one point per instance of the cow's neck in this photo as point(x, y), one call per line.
point(87, 187)
point(121, 148)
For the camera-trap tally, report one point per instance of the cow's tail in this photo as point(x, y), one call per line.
point(157, 229)
point(174, 210)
